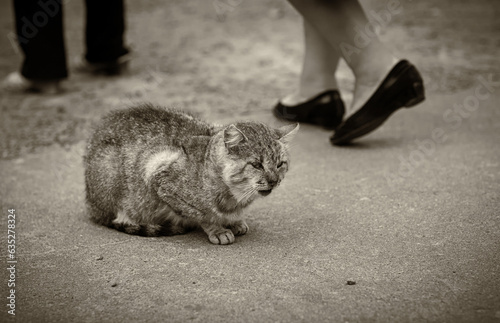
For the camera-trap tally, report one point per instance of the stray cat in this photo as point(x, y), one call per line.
point(156, 171)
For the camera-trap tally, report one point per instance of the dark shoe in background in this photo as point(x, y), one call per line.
point(326, 110)
point(116, 67)
point(402, 87)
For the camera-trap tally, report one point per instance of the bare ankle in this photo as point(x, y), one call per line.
point(311, 86)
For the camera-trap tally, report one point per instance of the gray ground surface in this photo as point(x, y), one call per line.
point(410, 213)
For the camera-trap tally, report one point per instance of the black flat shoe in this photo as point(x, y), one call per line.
point(326, 109)
point(111, 68)
point(402, 87)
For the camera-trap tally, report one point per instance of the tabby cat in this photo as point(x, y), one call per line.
point(156, 171)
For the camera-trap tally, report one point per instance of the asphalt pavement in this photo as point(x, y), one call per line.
point(403, 226)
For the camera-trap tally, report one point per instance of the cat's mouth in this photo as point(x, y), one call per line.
point(265, 192)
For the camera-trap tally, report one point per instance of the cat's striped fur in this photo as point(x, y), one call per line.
point(156, 171)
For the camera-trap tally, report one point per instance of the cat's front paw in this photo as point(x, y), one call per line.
point(221, 237)
point(239, 228)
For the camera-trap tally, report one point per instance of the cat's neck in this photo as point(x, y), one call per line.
point(224, 199)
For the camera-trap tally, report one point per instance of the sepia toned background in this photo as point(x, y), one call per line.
point(412, 219)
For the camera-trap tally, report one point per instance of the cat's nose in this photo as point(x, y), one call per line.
point(272, 182)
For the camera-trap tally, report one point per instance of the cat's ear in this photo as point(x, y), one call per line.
point(286, 133)
point(233, 136)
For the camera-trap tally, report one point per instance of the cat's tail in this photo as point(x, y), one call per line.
point(150, 230)
point(145, 230)
point(123, 223)
point(110, 220)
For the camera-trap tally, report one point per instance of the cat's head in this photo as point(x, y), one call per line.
point(254, 158)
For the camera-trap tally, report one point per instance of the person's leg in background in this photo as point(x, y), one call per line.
point(104, 36)
point(339, 22)
point(316, 99)
point(318, 69)
point(39, 28)
point(382, 84)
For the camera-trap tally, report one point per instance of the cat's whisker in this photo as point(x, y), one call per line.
point(241, 197)
point(246, 194)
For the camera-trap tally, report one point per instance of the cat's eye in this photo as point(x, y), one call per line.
point(257, 165)
point(281, 164)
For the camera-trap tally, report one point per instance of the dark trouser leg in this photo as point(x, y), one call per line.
point(105, 30)
point(39, 27)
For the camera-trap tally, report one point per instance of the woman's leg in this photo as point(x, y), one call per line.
point(341, 23)
point(318, 69)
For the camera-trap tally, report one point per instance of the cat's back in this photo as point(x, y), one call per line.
point(148, 123)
